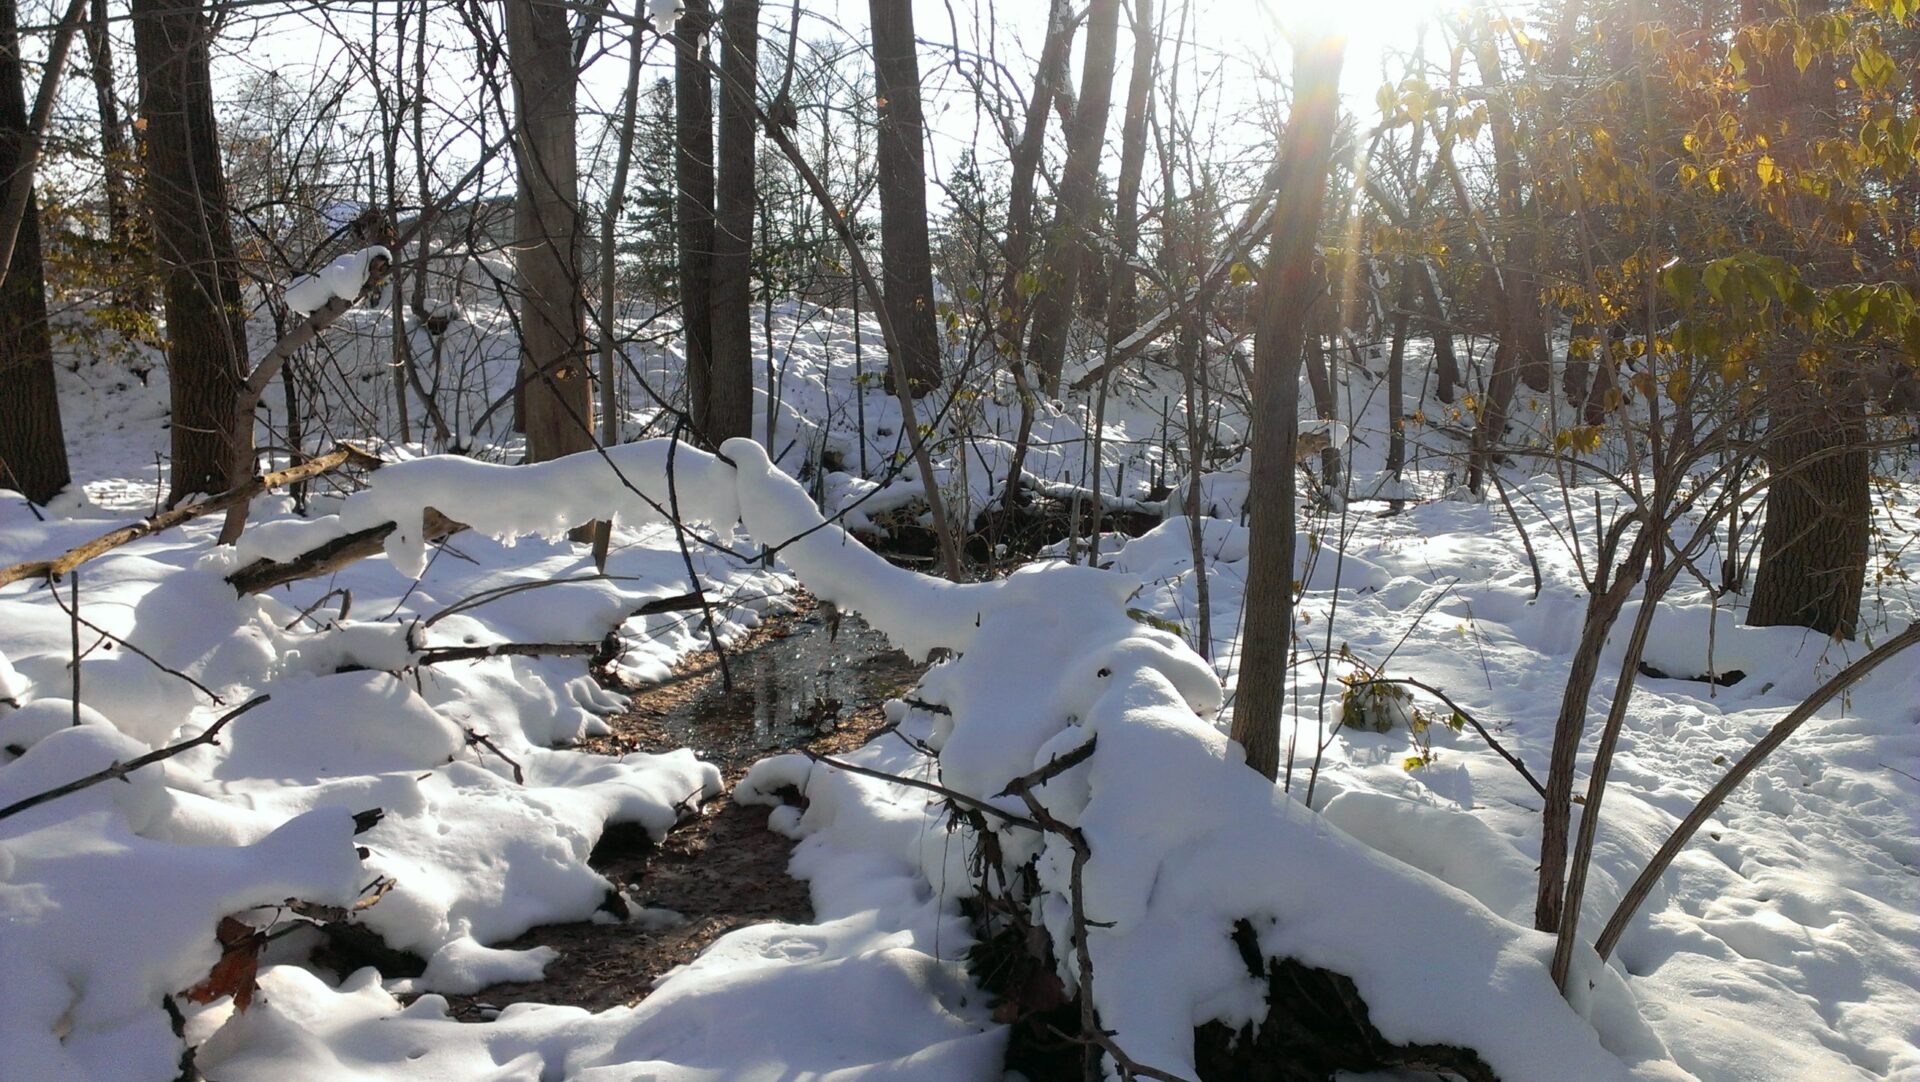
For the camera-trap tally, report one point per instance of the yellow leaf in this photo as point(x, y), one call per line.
point(1769, 172)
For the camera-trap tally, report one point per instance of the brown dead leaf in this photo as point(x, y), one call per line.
point(237, 972)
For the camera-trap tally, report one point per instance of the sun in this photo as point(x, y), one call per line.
point(1376, 30)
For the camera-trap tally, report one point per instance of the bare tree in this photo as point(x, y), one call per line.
point(1060, 270)
point(1287, 291)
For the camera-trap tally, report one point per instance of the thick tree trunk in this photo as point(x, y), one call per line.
point(547, 229)
point(906, 261)
point(1121, 317)
point(693, 205)
point(1814, 545)
point(1067, 253)
point(186, 193)
point(1287, 290)
point(730, 407)
point(33, 450)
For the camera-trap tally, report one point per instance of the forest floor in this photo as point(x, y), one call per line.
point(809, 680)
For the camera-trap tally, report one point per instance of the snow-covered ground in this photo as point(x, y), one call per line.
point(1784, 944)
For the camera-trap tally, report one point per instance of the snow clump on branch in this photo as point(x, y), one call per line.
point(343, 278)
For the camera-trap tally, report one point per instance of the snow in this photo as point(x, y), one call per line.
point(1784, 943)
point(342, 279)
point(664, 14)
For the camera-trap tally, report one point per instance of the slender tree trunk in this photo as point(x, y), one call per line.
point(124, 228)
point(609, 223)
point(33, 449)
point(693, 205)
point(1605, 599)
point(1052, 71)
point(906, 259)
point(1121, 317)
point(1525, 330)
point(730, 409)
point(547, 231)
point(1446, 365)
point(1396, 376)
point(1067, 253)
point(193, 242)
point(1287, 292)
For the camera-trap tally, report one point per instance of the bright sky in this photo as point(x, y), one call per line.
point(1230, 61)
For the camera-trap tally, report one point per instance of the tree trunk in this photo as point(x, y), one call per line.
point(1525, 330)
point(547, 228)
point(1052, 71)
point(1814, 545)
point(1397, 374)
point(1067, 253)
point(693, 205)
point(730, 408)
point(123, 226)
point(186, 194)
point(33, 450)
point(1288, 290)
point(1121, 317)
point(1605, 599)
point(906, 261)
point(1446, 366)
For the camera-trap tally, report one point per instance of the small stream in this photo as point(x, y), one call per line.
point(789, 689)
point(812, 680)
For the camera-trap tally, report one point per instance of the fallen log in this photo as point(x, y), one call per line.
point(263, 574)
point(57, 568)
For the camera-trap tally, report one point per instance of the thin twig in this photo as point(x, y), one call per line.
point(1464, 716)
point(79, 621)
point(955, 796)
point(121, 770)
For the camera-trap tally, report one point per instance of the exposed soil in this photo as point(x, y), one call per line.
point(806, 680)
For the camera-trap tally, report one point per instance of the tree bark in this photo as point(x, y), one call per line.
point(1066, 255)
point(1288, 289)
point(906, 261)
point(1814, 545)
point(186, 190)
point(730, 408)
point(33, 449)
point(693, 205)
point(547, 231)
